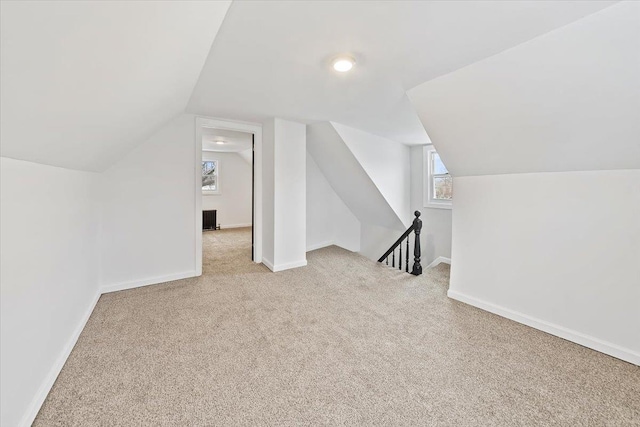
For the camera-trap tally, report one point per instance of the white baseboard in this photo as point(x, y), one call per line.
point(285, 266)
point(224, 227)
point(439, 260)
point(290, 265)
point(594, 343)
point(146, 282)
point(320, 245)
point(268, 263)
point(51, 377)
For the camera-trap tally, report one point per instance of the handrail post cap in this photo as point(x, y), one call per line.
point(417, 213)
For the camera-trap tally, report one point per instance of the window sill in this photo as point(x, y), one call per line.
point(211, 193)
point(436, 205)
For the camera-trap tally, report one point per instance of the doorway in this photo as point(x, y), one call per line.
point(228, 186)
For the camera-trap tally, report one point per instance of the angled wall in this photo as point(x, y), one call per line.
point(371, 175)
point(84, 82)
point(349, 178)
point(386, 162)
point(49, 221)
point(78, 93)
point(329, 220)
point(564, 101)
point(542, 140)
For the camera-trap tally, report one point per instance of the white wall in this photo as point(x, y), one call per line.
point(284, 194)
point(148, 210)
point(375, 240)
point(371, 175)
point(558, 251)
point(329, 220)
point(348, 178)
point(234, 201)
point(435, 239)
point(386, 162)
point(49, 277)
point(247, 156)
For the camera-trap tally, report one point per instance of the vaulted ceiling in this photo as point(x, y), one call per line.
point(223, 140)
point(274, 58)
point(85, 82)
point(566, 101)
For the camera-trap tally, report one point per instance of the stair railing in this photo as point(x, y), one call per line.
point(416, 228)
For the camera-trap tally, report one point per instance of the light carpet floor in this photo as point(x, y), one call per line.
point(343, 341)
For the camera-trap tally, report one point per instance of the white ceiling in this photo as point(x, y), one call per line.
point(234, 141)
point(566, 101)
point(273, 58)
point(84, 82)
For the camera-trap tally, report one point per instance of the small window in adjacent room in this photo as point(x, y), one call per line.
point(438, 182)
point(210, 177)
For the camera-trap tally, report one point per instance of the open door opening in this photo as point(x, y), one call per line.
point(228, 192)
point(227, 185)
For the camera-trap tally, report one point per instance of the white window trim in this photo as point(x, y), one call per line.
point(218, 191)
point(429, 201)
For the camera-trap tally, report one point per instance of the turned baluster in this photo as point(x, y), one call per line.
point(417, 268)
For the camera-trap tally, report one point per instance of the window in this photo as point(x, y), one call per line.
point(210, 177)
point(438, 181)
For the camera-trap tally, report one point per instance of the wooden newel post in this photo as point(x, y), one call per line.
point(417, 268)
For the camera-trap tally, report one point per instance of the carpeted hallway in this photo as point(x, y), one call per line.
point(343, 341)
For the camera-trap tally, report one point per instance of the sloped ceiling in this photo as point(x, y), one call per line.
point(348, 177)
point(223, 140)
point(84, 82)
point(273, 58)
point(568, 100)
point(386, 163)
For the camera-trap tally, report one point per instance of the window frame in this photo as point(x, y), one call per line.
point(428, 179)
point(218, 189)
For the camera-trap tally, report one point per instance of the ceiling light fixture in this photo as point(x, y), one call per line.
point(343, 64)
point(219, 142)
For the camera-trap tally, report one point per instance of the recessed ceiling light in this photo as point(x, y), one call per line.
point(219, 142)
point(343, 64)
